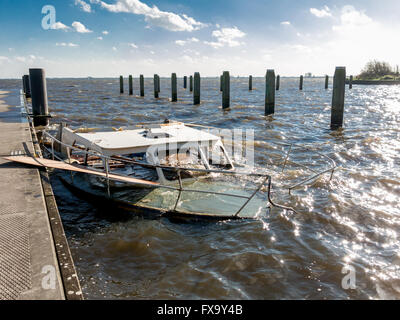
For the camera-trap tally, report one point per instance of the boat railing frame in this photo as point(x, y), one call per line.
point(266, 179)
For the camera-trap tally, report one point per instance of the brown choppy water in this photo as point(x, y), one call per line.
point(352, 220)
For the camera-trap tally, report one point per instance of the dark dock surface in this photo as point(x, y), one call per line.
point(35, 261)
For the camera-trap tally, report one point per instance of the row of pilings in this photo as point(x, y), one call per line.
point(272, 84)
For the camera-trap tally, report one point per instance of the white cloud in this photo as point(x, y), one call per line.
point(4, 59)
point(114, 49)
point(324, 12)
point(105, 32)
point(64, 44)
point(59, 26)
point(154, 16)
point(184, 42)
point(79, 27)
point(350, 17)
point(84, 6)
point(226, 37)
point(99, 38)
point(180, 42)
point(285, 23)
point(132, 45)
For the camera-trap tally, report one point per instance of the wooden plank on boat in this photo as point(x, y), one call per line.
point(40, 162)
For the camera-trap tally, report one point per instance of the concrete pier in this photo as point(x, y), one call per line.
point(27, 86)
point(35, 261)
point(121, 84)
point(196, 93)
point(141, 85)
point(226, 88)
point(156, 86)
point(278, 82)
point(339, 86)
point(270, 93)
point(174, 88)
point(130, 85)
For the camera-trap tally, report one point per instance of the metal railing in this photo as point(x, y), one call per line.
point(267, 179)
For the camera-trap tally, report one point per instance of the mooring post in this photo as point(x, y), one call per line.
point(221, 80)
point(156, 86)
point(339, 85)
point(326, 82)
point(226, 87)
point(278, 82)
point(27, 86)
point(301, 82)
point(351, 82)
point(185, 82)
point(270, 92)
point(40, 106)
point(121, 84)
point(141, 85)
point(174, 88)
point(23, 85)
point(196, 94)
point(250, 83)
point(191, 83)
point(130, 85)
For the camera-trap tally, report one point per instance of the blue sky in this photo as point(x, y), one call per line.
point(111, 37)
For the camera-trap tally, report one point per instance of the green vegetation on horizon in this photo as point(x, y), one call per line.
point(379, 71)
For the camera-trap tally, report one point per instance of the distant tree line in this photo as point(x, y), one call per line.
point(378, 69)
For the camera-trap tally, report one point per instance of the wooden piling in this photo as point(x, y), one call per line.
point(27, 86)
point(185, 82)
point(339, 84)
point(130, 85)
point(351, 82)
point(250, 83)
point(196, 94)
point(40, 106)
point(191, 83)
point(326, 82)
point(121, 84)
point(301, 82)
point(156, 86)
point(278, 82)
point(270, 92)
point(141, 85)
point(221, 80)
point(174, 88)
point(226, 87)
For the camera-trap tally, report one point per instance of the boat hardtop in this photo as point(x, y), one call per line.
point(139, 140)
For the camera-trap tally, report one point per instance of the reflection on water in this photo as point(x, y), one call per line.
point(352, 220)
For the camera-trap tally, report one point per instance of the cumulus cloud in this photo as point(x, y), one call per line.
point(59, 26)
point(64, 44)
point(285, 23)
point(84, 6)
point(79, 27)
point(132, 45)
point(153, 16)
point(184, 42)
point(226, 37)
point(350, 17)
point(322, 13)
point(105, 32)
point(99, 38)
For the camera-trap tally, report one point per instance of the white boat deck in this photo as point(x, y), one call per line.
point(140, 140)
